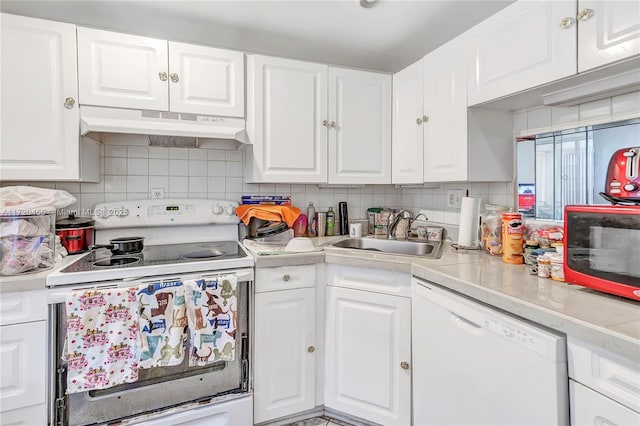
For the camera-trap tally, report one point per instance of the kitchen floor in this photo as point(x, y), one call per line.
point(319, 421)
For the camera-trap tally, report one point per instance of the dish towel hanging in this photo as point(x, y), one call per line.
point(211, 310)
point(163, 322)
point(103, 343)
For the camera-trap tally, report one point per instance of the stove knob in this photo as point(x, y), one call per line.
point(631, 187)
point(229, 210)
point(217, 209)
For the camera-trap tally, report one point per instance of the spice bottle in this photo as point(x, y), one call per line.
point(331, 221)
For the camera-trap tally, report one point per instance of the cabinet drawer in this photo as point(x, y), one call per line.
point(285, 278)
point(591, 408)
point(605, 372)
point(374, 280)
point(22, 306)
point(23, 358)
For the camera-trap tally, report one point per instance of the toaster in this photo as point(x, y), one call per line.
point(623, 176)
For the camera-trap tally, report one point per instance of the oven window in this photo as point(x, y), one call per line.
point(569, 166)
point(605, 246)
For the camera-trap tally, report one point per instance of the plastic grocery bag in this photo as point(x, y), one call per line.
point(32, 197)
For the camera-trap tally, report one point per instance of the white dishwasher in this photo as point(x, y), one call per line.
point(473, 365)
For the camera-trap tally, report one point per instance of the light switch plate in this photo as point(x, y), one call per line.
point(454, 198)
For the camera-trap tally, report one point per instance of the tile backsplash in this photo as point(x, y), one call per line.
point(131, 170)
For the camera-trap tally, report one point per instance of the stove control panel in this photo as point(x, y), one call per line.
point(165, 212)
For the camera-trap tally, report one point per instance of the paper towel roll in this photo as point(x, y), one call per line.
point(469, 221)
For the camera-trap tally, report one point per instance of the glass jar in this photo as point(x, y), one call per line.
point(544, 266)
point(557, 267)
point(491, 228)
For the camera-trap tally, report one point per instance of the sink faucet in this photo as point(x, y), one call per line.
point(403, 216)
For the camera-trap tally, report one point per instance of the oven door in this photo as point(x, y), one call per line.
point(156, 388)
point(601, 248)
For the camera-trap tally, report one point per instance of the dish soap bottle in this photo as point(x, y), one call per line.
point(331, 220)
point(311, 220)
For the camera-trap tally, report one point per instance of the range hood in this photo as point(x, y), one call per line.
point(160, 123)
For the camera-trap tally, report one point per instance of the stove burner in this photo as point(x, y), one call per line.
point(116, 261)
point(203, 254)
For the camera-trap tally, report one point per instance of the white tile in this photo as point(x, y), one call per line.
point(115, 166)
point(427, 200)
point(198, 195)
point(354, 199)
point(68, 186)
point(178, 167)
point(115, 151)
point(115, 196)
point(158, 152)
point(312, 189)
point(391, 200)
point(159, 182)
point(233, 156)
point(177, 195)
point(92, 187)
point(479, 188)
point(499, 199)
point(299, 200)
point(298, 188)
point(198, 168)
point(233, 196)
point(215, 155)
point(368, 189)
point(438, 201)
point(216, 168)
point(138, 152)
point(158, 167)
point(197, 184)
point(89, 201)
point(216, 195)
point(378, 200)
point(137, 184)
point(267, 189)
point(137, 195)
point(115, 183)
point(216, 184)
point(178, 153)
point(497, 188)
point(251, 188)
point(138, 167)
point(283, 189)
point(233, 169)
point(233, 185)
point(436, 216)
point(197, 154)
point(452, 217)
point(366, 200)
point(325, 201)
point(179, 184)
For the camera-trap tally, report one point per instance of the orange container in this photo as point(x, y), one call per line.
point(512, 238)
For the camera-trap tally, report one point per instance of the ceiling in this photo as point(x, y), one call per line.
point(386, 37)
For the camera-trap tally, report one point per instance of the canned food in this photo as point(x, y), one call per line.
point(512, 236)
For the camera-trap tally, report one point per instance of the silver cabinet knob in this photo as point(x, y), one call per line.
point(567, 23)
point(69, 103)
point(286, 277)
point(332, 124)
point(162, 75)
point(425, 118)
point(585, 14)
point(418, 120)
point(311, 349)
point(325, 123)
point(174, 77)
point(404, 365)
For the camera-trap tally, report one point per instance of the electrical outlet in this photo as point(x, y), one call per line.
point(157, 193)
point(454, 198)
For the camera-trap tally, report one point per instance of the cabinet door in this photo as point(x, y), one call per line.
point(368, 339)
point(39, 133)
point(122, 70)
point(406, 143)
point(607, 31)
point(360, 127)
point(285, 339)
point(522, 46)
point(592, 408)
point(445, 109)
point(23, 354)
point(287, 104)
point(204, 80)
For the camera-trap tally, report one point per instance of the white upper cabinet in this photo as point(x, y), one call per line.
point(122, 70)
point(205, 80)
point(526, 44)
point(607, 31)
point(408, 113)
point(287, 104)
point(39, 113)
point(311, 123)
point(127, 71)
point(445, 113)
point(359, 127)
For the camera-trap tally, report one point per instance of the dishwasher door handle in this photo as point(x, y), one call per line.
point(464, 320)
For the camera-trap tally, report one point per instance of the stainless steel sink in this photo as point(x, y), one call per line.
point(427, 249)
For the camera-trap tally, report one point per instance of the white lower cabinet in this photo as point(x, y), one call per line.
point(368, 355)
point(589, 408)
point(285, 344)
